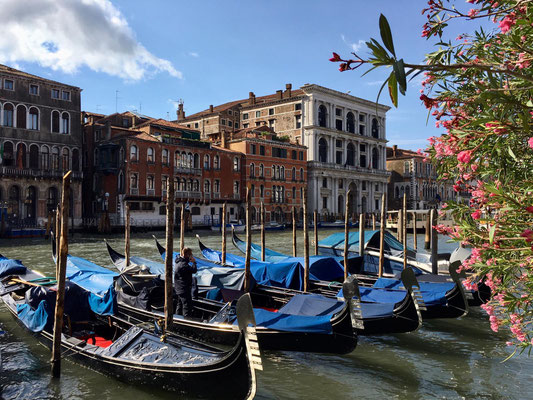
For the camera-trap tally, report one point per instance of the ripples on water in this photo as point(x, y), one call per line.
point(446, 359)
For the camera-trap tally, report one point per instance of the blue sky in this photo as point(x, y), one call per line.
point(209, 52)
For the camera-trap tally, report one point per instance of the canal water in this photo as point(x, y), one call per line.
point(445, 359)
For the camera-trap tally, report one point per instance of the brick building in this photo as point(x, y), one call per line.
point(345, 137)
point(40, 140)
point(275, 170)
point(132, 157)
point(417, 178)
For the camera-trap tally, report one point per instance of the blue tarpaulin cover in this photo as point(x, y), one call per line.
point(292, 323)
point(336, 241)
point(11, 267)
point(312, 305)
point(34, 320)
point(92, 277)
point(432, 293)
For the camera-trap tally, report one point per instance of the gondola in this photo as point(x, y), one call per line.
point(443, 298)
point(279, 326)
point(397, 312)
point(128, 352)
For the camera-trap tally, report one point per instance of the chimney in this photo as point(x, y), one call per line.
point(180, 112)
point(251, 97)
point(279, 94)
point(394, 148)
point(211, 108)
point(288, 90)
point(223, 140)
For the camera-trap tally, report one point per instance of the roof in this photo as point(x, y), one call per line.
point(243, 103)
point(22, 74)
point(400, 154)
point(167, 124)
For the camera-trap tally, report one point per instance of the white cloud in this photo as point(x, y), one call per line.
point(194, 54)
point(354, 46)
point(375, 83)
point(69, 34)
point(174, 103)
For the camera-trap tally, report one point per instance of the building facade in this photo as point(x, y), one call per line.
point(131, 159)
point(413, 175)
point(40, 140)
point(274, 169)
point(345, 137)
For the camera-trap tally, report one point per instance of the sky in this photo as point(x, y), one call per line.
point(148, 55)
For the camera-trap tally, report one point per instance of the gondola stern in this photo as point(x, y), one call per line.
point(352, 298)
point(412, 286)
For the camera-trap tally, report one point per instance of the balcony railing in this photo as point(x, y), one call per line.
point(186, 170)
point(134, 191)
point(150, 192)
point(215, 195)
point(37, 173)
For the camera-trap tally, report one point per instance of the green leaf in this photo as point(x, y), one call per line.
point(393, 89)
point(512, 154)
point(492, 231)
point(399, 71)
point(386, 35)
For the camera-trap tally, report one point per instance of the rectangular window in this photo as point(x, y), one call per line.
point(338, 124)
point(338, 112)
point(341, 183)
point(230, 112)
point(325, 182)
point(298, 120)
point(245, 125)
point(196, 125)
point(236, 125)
point(9, 84)
point(257, 114)
point(230, 123)
point(258, 123)
point(362, 148)
point(364, 185)
point(362, 130)
point(55, 94)
point(270, 111)
point(362, 118)
point(66, 95)
point(134, 205)
point(125, 122)
point(298, 106)
point(34, 89)
point(261, 150)
point(271, 123)
point(324, 202)
point(279, 153)
point(338, 143)
point(301, 156)
point(294, 155)
point(245, 116)
point(253, 148)
point(223, 122)
point(147, 206)
point(338, 157)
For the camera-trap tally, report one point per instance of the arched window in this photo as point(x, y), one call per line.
point(164, 157)
point(65, 159)
point(216, 162)
point(183, 160)
point(65, 123)
point(207, 186)
point(375, 158)
point(375, 128)
point(55, 121)
point(236, 188)
point(196, 160)
point(189, 185)
point(21, 116)
point(52, 196)
point(350, 154)
point(45, 157)
point(8, 158)
point(177, 159)
point(134, 181)
point(261, 170)
point(120, 180)
point(282, 173)
point(34, 156)
point(252, 170)
point(293, 174)
point(55, 158)
point(150, 155)
point(21, 156)
point(294, 192)
point(322, 150)
point(120, 156)
point(8, 114)
point(190, 160)
point(206, 162)
point(350, 122)
point(34, 119)
point(236, 163)
point(196, 185)
point(134, 153)
point(322, 116)
point(261, 191)
point(302, 174)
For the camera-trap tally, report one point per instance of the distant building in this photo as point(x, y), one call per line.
point(131, 157)
point(345, 137)
point(275, 170)
point(417, 178)
point(40, 140)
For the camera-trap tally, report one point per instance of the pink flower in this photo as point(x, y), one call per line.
point(530, 142)
point(476, 214)
point(464, 156)
point(473, 12)
point(528, 234)
point(506, 24)
point(529, 209)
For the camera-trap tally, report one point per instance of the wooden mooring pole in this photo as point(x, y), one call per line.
point(223, 230)
point(315, 221)
point(60, 294)
point(169, 255)
point(427, 233)
point(399, 225)
point(361, 234)
point(263, 240)
point(434, 243)
point(58, 237)
point(127, 235)
point(382, 236)
point(247, 274)
point(306, 244)
point(346, 233)
point(404, 230)
point(415, 241)
point(294, 244)
point(182, 229)
point(373, 221)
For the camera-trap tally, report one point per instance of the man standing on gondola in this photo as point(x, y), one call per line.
point(184, 268)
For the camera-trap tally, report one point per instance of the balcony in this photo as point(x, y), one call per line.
point(150, 192)
point(134, 191)
point(38, 173)
point(190, 171)
point(236, 196)
point(317, 165)
point(215, 195)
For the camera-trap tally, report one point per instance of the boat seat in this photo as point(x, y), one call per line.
point(230, 295)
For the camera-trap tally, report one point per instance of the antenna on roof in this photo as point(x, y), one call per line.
point(116, 101)
point(168, 116)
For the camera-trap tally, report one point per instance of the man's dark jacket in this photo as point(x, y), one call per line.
point(183, 275)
